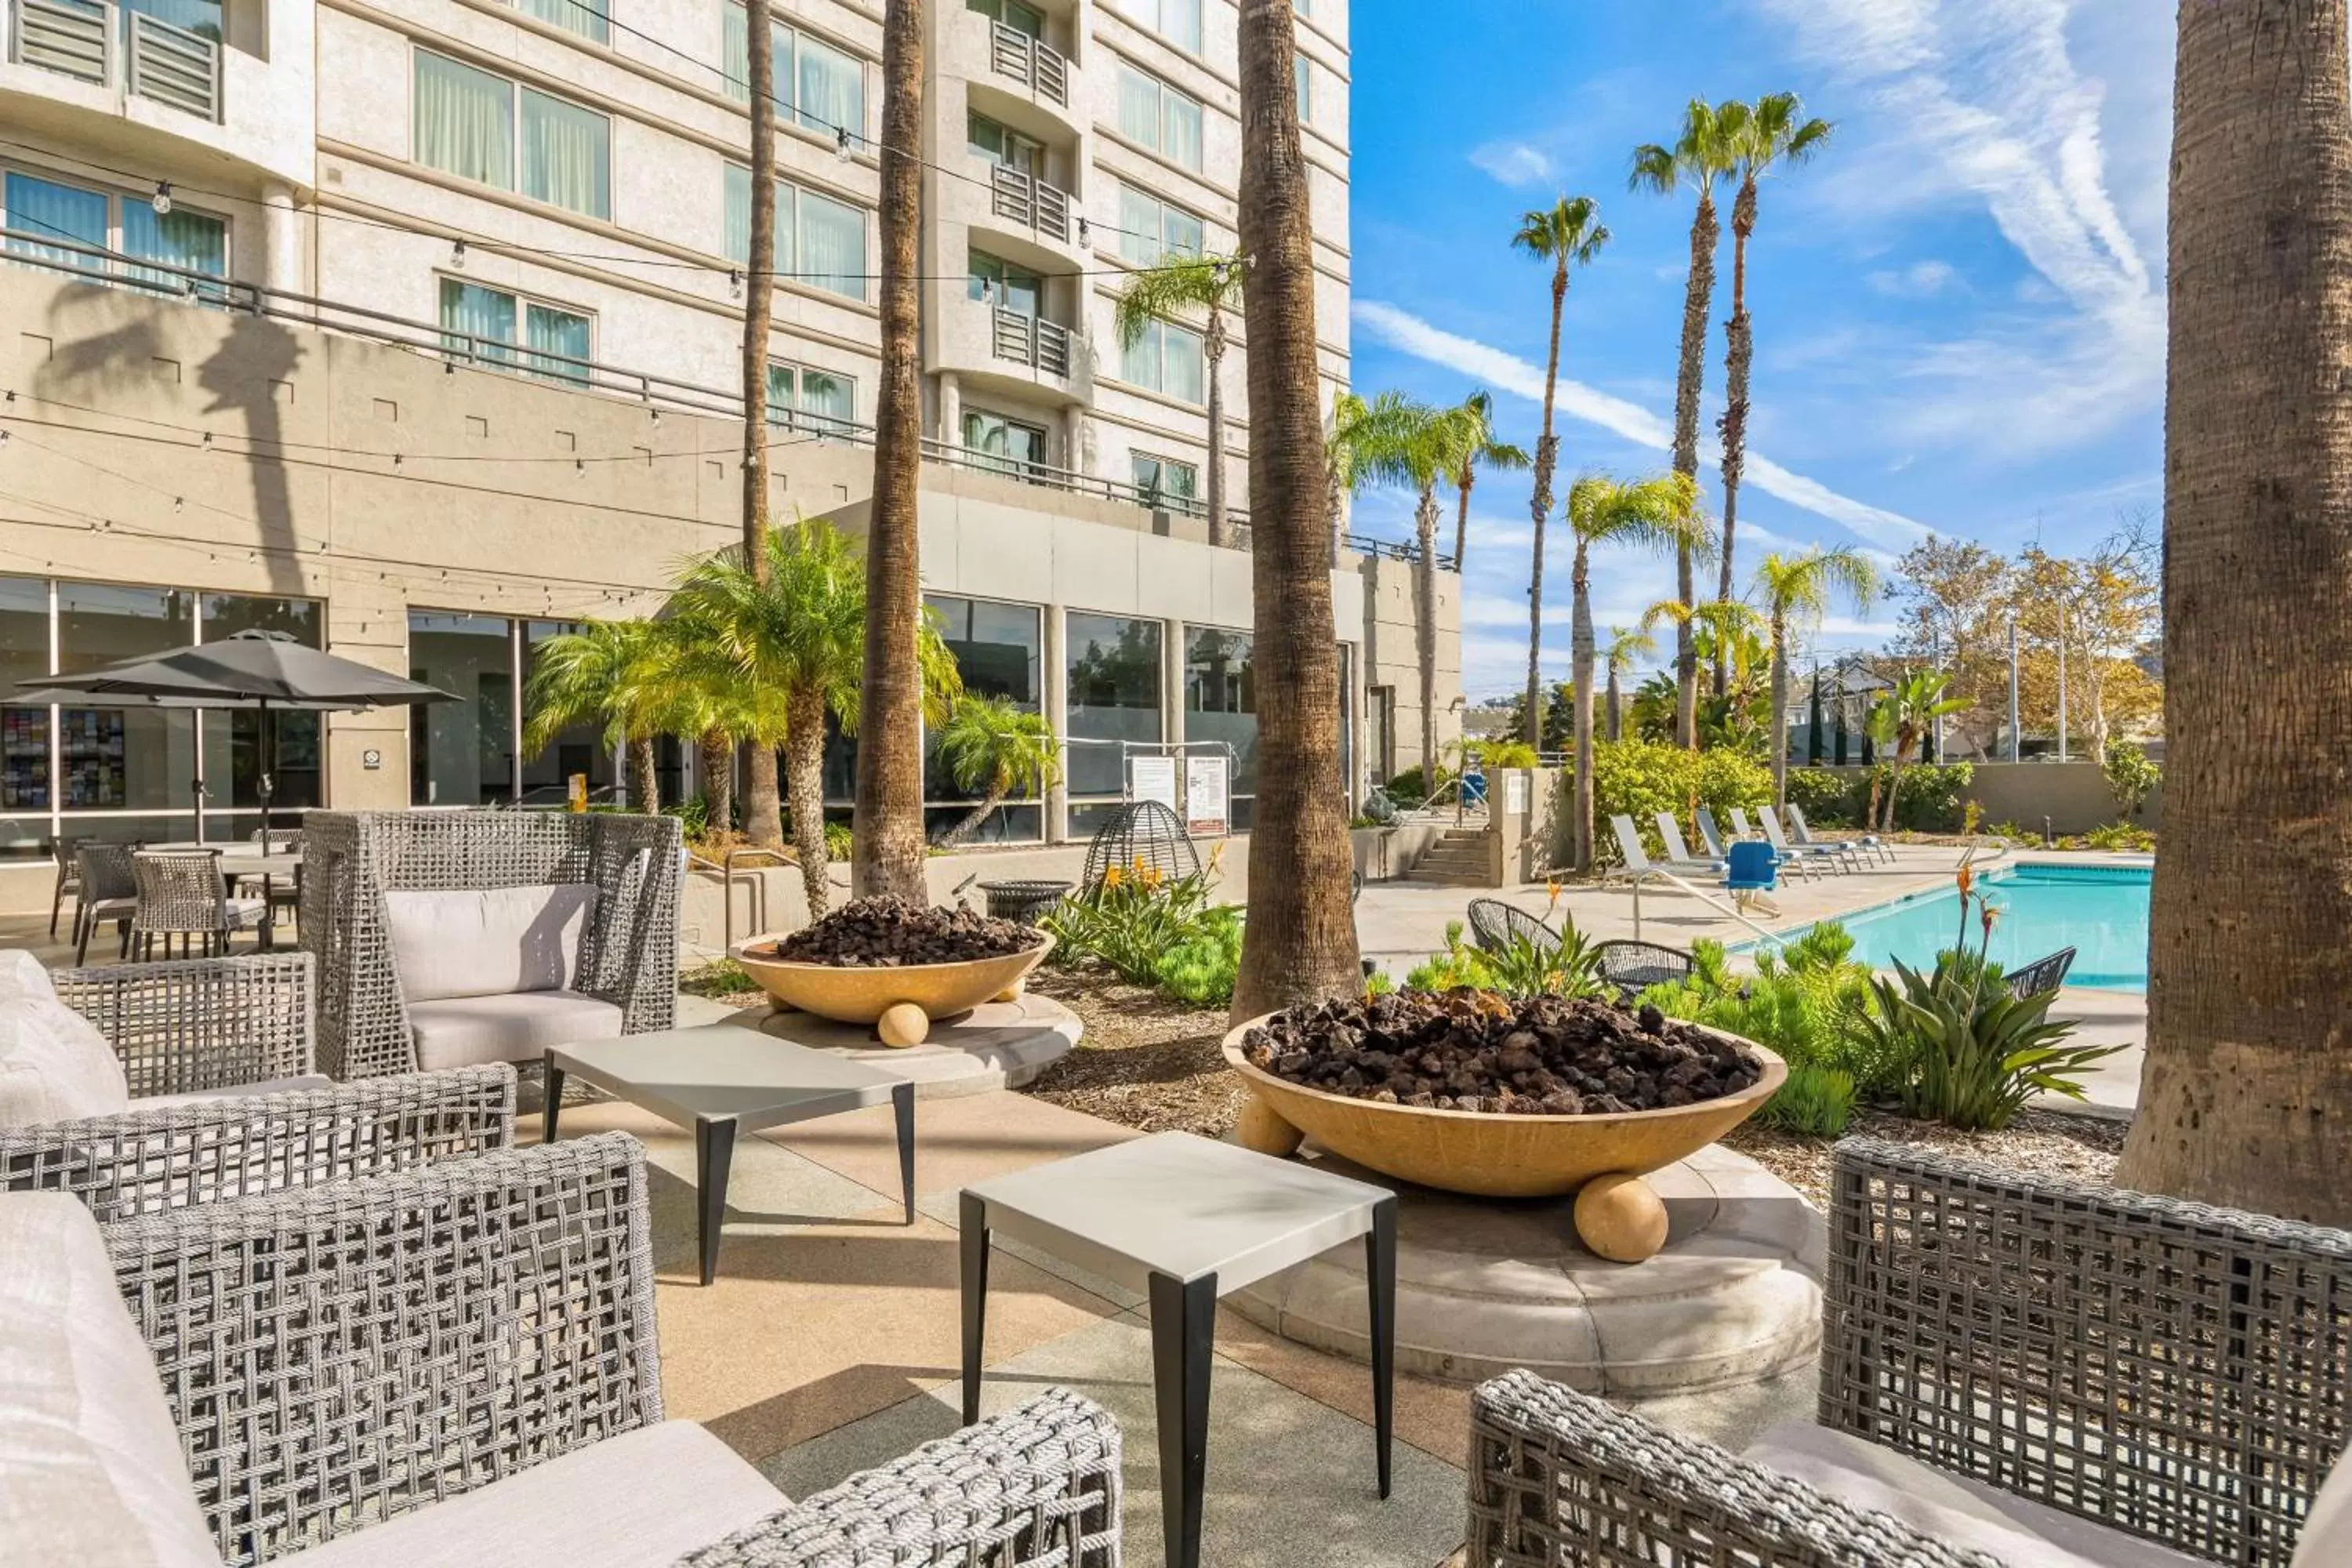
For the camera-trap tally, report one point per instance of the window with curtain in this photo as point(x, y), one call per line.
point(586, 18)
point(465, 121)
point(1158, 116)
point(819, 241)
point(1005, 444)
point(190, 241)
point(39, 209)
point(831, 89)
point(485, 326)
point(1305, 75)
point(998, 282)
point(551, 331)
point(1177, 21)
point(1150, 230)
point(476, 323)
point(1165, 483)
point(1022, 19)
point(806, 399)
point(567, 154)
point(1166, 358)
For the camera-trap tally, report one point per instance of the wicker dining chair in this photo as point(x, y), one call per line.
point(1630, 968)
point(1495, 925)
point(69, 880)
point(109, 892)
point(181, 893)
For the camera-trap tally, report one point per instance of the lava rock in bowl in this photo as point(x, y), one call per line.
point(1479, 1051)
point(890, 933)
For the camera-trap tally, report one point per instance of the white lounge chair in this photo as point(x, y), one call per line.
point(1868, 844)
point(1845, 855)
point(1640, 868)
point(1791, 863)
point(1790, 854)
point(1670, 834)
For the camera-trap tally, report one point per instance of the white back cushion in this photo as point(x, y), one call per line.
point(2326, 1538)
point(54, 1064)
point(487, 941)
point(90, 1469)
point(22, 974)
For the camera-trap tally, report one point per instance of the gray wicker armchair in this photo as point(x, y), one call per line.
point(490, 1391)
point(627, 955)
point(2170, 1373)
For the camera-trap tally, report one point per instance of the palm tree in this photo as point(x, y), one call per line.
point(706, 694)
point(991, 745)
point(1568, 233)
point(1661, 512)
point(1418, 447)
point(1478, 409)
point(1298, 946)
point(1761, 136)
point(1626, 645)
point(761, 824)
point(601, 673)
point(1797, 591)
point(1700, 157)
point(1915, 704)
point(1211, 285)
point(889, 858)
point(1879, 726)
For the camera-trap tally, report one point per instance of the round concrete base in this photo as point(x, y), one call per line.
point(1487, 1284)
point(997, 1044)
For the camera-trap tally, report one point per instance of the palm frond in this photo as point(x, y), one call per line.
point(1182, 283)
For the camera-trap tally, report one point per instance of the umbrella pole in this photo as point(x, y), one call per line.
point(266, 753)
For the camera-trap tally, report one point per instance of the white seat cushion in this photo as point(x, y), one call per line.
point(22, 974)
point(54, 1064)
point(464, 1031)
point(1955, 1510)
point(486, 941)
point(306, 1081)
point(642, 1500)
point(2326, 1538)
point(91, 1471)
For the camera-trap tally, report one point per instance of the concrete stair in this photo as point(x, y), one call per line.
point(1456, 860)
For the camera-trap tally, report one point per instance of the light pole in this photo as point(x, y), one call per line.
point(2062, 683)
point(1935, 663)
point(2014, 753)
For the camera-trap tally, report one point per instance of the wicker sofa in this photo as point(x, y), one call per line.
point(457, 1366)
point(2016, 1371)
point(146, 1087)
point(450, 939)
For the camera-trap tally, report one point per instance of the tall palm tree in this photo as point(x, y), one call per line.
point(761, 824)
point(889, 858)
point(1416, 446)
point(1626, 647)
point(2246, 1099)
point(1699, 159)
point(1353, 436)
point(1797, 591)
point(1654, 513)
point(991, 745)
point(1914, 704)
point(1299, 945)
point(601, 675)
point(1211, 285)
point(1569, 233)
point(1478, 410)
point(1761, 136)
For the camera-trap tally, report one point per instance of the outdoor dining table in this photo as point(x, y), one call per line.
point(246, 860)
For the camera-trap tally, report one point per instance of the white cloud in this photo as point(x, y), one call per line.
point(1508, 373)
point(1920, 281)
point(1514, 162)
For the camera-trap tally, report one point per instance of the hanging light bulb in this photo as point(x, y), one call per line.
point(163, 198)
point(458, 254)
point(1083, 226)
point(735, 283)
point(841, 143)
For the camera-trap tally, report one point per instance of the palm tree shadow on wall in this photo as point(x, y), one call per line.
point(242, 378)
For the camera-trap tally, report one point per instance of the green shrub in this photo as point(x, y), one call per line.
point(1153, 932)
point(1522, 969)
point(719, 977)
point(1641, 778)
point(1408, 788)
point(1815, 1102)
point(2121, 835)
point(1931, 798)
point(1827, 799)
point(2130, 776)
point(1201, 967)
point(1493, 754)
point(1806, 1006)
point(1378, 983)
point(693, 817)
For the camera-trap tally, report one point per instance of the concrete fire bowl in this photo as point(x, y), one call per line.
point(1601, 1157)
point(899, 1002)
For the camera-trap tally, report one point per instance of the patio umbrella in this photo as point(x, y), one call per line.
point(257, 669)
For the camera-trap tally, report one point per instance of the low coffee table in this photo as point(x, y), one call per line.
point(1185, 1220)
point(721, 1080)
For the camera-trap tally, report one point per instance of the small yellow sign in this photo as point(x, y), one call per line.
point(578, 785)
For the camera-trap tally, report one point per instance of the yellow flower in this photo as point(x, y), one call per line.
point(1139, 862)
point(1152, 876)
point(1217, 855)
point(1553, 887)
point(1110, 876)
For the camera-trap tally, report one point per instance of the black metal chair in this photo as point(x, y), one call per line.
point(1140, 837)
point(1633, 967)
point(2042, 974)
point(1495, 925)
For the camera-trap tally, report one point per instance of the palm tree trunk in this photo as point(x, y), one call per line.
point(1539, 502)
point(2247, 1094)
point(1580, 632)
point(1616, 707)
point(760, 820)
point(1212, 349)
point(969, 824)
point(1299, 945)
point(1690, 381)
point(1461, 523)
point(889, 821)
point(1739, 334)
point(645, 777)
point(718, 768)
point(805, 745)
point(1424, 632)
point(1779, 708)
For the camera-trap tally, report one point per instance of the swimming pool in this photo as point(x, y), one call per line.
point(2101, 911)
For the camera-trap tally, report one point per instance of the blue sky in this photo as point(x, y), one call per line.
point(1958, 305)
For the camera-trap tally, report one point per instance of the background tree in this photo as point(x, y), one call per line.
point(1659, 513)
point(1211, 285)
point(1626, 646)
point(1416, 446)
point(889, 858)
point(1478, 414)
point(1797, 591)
point(604, 674)
point(1760, 137)
point(2246, 1099)
point(991, 745)
point(1955, 595)
point(761, 824)
point(1299, 943)
point(1700, 158)
point(1912, 705)
point(1569, 233)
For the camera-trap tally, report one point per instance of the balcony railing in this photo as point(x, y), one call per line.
point(1029, 62)
point(1028, 202)
point(1032, 340)
point(106, 44)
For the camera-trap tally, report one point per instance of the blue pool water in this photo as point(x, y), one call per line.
point(2101, 911)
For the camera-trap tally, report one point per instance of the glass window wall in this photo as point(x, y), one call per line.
point(1221, 705)
point(1000, 650)
point(1112, 666)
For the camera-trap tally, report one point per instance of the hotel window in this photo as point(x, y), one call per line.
point(1005, 445)
point(1177, 21)
point(1164, 484)
point(818, 84)
point(809, 399)
point(1305, 75)
point(1000, 283)
point(1150, 230)
point(819, 242)
point(1221, 704)
point(35, 209)
point(1025, 20)
point(470, 752)
point(1004, 147)
point(1159, 117)
point(1112, 668)
point(1167, 359)
point(586, 18)
point(1000, 651)
point(479, 327)
point(466, 125)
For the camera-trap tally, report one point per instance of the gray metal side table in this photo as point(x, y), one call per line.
point(721, 1080)
point(1185, 1220)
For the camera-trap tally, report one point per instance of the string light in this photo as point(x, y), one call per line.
point(162, 203)
point(458, 254)
point(734, 283)
point(841, 144)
